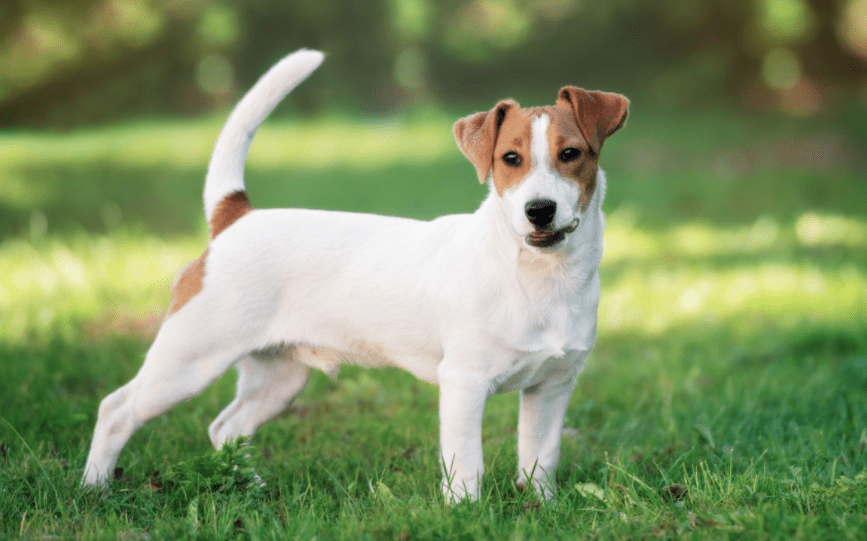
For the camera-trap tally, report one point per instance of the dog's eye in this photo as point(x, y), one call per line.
point(569, 154)
point(512, 159)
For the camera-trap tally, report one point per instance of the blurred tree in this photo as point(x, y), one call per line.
point(72, 62)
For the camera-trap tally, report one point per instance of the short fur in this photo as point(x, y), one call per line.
point(478, 303)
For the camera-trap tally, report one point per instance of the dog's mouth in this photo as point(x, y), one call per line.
point(545, 239)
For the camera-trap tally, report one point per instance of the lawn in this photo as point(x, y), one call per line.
point(726, 397)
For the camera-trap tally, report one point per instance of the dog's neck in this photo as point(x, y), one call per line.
point(542, 283)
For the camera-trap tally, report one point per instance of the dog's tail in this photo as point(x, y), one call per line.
point(225, 180)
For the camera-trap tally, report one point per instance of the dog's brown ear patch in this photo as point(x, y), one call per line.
point(477, 134)
point(598, 114)
point(232, 207)
point(188, 284)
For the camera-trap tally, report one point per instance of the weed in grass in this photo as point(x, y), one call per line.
point(218, 472)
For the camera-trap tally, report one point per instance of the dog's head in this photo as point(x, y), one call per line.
point(543, 160)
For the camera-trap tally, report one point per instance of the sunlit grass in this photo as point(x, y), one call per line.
point(653, 280)
point(700, 272)
point(57, 285)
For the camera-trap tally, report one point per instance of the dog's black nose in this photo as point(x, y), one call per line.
point(540, 212)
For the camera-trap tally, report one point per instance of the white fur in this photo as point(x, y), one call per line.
point(461, 301)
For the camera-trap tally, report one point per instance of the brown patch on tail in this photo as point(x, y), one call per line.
point(232, 207)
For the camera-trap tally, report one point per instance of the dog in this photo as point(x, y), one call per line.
point(498, 300)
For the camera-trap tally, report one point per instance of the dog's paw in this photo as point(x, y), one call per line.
point(96, 481)
point(544, 487)
point(456, 492)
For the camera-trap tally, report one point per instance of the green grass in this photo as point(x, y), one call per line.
point(726, 398)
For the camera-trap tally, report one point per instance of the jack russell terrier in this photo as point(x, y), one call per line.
point(499, 300)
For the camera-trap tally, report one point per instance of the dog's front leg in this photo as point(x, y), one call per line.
point(462, 403)
point(540, 427)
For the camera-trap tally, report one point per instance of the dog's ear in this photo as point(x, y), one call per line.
point(598, 114)
point(477, 134)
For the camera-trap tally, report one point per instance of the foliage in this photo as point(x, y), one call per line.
point(86, 61)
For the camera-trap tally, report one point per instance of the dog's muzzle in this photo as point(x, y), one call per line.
point(544, 239)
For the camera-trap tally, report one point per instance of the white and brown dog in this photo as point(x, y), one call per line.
point(499, 300)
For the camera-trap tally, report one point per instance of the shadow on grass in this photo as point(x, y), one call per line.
point(102, 197)
point(167, 201)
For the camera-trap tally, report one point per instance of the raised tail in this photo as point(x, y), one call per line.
point(225, 179)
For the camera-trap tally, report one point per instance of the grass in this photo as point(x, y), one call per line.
point(726, 398)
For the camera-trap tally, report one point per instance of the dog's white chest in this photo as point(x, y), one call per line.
point(556, 350)
point(538, 367)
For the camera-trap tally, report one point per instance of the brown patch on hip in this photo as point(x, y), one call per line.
point(188, 284)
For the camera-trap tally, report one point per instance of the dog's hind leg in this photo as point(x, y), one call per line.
point(188, 354)
point(266, 386)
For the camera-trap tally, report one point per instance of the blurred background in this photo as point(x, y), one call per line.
point(734, 280)
point(71, 63)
